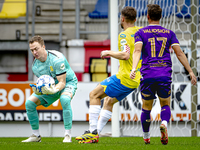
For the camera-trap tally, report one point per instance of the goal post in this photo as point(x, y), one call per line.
point(194, 36)
point(114, 63)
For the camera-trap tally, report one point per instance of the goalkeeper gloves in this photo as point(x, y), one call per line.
point(39, 90)
point(49, 90)
point(36, 90)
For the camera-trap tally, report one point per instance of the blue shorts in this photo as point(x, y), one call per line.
point(151, 86)
point(113, 88)
point(47, 100)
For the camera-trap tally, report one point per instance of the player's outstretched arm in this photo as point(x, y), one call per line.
point(193, 78)
point(183, 59)
point(136, 57)
point(117, 55)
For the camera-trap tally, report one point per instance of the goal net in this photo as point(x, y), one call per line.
point(179, 16)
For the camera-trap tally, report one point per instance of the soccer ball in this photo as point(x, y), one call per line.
point(46, 80)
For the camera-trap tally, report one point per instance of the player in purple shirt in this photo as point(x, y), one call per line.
point(154, 42)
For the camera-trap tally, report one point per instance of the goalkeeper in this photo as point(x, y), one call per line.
point(116, 87)
point(53, 63)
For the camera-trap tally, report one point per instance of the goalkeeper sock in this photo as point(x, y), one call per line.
point(32, 114)
point(105, 115)
point(94, 111)
point(68, 132)
point(65, 101)
point(145, 120)
point(165, 114)
point(36, 132)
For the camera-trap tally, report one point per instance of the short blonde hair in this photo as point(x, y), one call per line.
point(38, 39)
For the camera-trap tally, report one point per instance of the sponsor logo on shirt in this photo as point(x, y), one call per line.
point(62, 67)
point(132, 35)
point(123, 35)
point(158, 64)
point(123, 41)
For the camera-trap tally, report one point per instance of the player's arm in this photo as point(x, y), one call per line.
point(58, 87)
point(136, 57)
point(183, 59)
point(61, 81)
point(118, 55)
point(61, 77)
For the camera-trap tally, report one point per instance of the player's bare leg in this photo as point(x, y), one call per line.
point(92, 135)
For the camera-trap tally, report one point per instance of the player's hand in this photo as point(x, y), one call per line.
point(36, 90)
point(133, 74)
point(49, 90)
point(193, 78)
point(104, 54)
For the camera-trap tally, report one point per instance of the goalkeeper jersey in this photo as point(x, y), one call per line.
point(56, 64)
point(126, 43)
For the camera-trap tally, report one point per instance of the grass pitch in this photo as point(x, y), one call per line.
point(105, 143)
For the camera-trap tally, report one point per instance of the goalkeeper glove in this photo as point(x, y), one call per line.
point(49, 90)
point(36, 90)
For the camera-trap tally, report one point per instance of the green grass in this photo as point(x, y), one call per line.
point(105, 143)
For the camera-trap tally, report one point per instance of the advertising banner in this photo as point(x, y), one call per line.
point(12, 104)
point(14, 95)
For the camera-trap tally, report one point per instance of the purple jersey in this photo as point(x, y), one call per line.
point(156, 60)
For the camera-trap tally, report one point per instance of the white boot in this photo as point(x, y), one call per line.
point(67, 139)
point(33, 138)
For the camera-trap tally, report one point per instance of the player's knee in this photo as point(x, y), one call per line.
point(147, 104)
point(30, 105)
point(164, 103)
point(67, 113)
point(108, 101)
point(92, 95)
point(65, 100)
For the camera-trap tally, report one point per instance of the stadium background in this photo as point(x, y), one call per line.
point(81, 30)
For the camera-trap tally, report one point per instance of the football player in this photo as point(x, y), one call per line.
point(154, 43)
point(53, 63)
point(116, 87)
